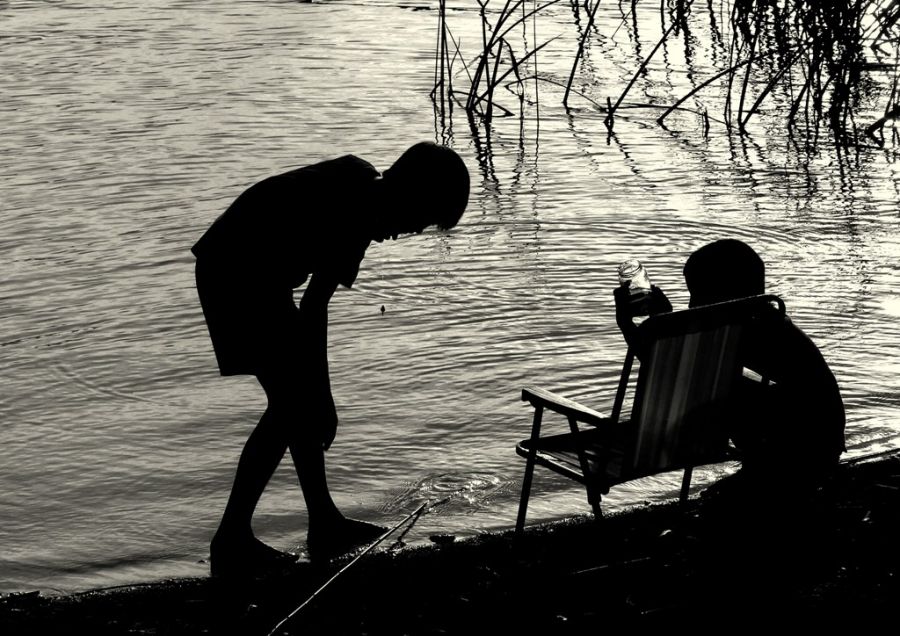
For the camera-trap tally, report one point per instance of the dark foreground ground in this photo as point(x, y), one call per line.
point(725, 561)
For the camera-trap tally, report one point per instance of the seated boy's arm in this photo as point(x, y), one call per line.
point(627, 307)
point(624, 316)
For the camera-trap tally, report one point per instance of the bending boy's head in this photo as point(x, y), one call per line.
point(724, 270)
point(428, 185)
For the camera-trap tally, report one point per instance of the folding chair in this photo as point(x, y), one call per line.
point(689, 366)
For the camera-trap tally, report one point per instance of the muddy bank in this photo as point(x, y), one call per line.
point(722, 557)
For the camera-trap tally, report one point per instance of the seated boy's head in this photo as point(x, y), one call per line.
point(427, 185)
point(724, 270)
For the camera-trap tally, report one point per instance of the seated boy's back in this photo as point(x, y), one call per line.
point(796, 423)
point(791, 428)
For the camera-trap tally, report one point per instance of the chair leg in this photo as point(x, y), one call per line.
point(526, 492)
point(594, 496)
point(686, 484)
point(529, 470)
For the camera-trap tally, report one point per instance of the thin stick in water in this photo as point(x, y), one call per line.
point(377, 541)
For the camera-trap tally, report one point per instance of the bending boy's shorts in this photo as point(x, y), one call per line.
point(254, 326)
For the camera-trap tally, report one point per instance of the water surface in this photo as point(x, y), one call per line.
point(127, 129)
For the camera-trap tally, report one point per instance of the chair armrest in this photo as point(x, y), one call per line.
point(569, 408)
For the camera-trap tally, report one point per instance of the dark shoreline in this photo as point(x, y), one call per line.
point(835, 558)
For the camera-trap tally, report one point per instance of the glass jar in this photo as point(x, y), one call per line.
point(633, 270)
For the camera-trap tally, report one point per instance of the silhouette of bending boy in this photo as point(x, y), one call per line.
point(310, 225)
point(792, 429)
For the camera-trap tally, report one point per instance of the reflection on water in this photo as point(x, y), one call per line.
point(456, 493)
point(127, 131)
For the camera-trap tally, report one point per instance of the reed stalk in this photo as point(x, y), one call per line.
point(580, 52)
point(827, 44)
point(728, 71)
point(753, 42)
point(514, 68)
point(768, 88)
point(487, 75)
point(612, 109)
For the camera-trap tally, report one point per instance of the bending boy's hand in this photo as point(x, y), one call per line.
point(328, 431)
point(323, 419)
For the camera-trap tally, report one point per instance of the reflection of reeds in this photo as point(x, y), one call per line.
point(824, 44)
point(819, 58)
point(775, 41)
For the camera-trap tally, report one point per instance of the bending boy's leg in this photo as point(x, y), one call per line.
point(262, 453)
point(330, 533)
point(309, 462)
point(280, 425)
point(234, 550)
point(297, 410)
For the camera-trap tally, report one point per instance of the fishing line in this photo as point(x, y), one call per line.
point(419, 513)
point(413, 516)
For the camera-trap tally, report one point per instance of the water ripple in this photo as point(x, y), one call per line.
point(129, 129)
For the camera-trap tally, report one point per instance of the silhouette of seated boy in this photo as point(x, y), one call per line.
point(311, 225)
point(791, 429)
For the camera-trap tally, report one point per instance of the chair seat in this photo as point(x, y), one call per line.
point(603, 450)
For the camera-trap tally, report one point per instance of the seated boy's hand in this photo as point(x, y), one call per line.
point(658, 302)
point(629, 305)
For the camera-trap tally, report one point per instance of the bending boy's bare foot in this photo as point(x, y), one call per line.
point(245, 556)
point(340, 537)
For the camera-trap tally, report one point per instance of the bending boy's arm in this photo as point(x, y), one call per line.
point(338, 253)
point(318, 293)
point(314, 362)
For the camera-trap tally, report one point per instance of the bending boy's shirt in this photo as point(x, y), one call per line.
point(309, 220)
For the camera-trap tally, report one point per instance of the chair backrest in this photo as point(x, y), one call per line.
point(690, 364)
